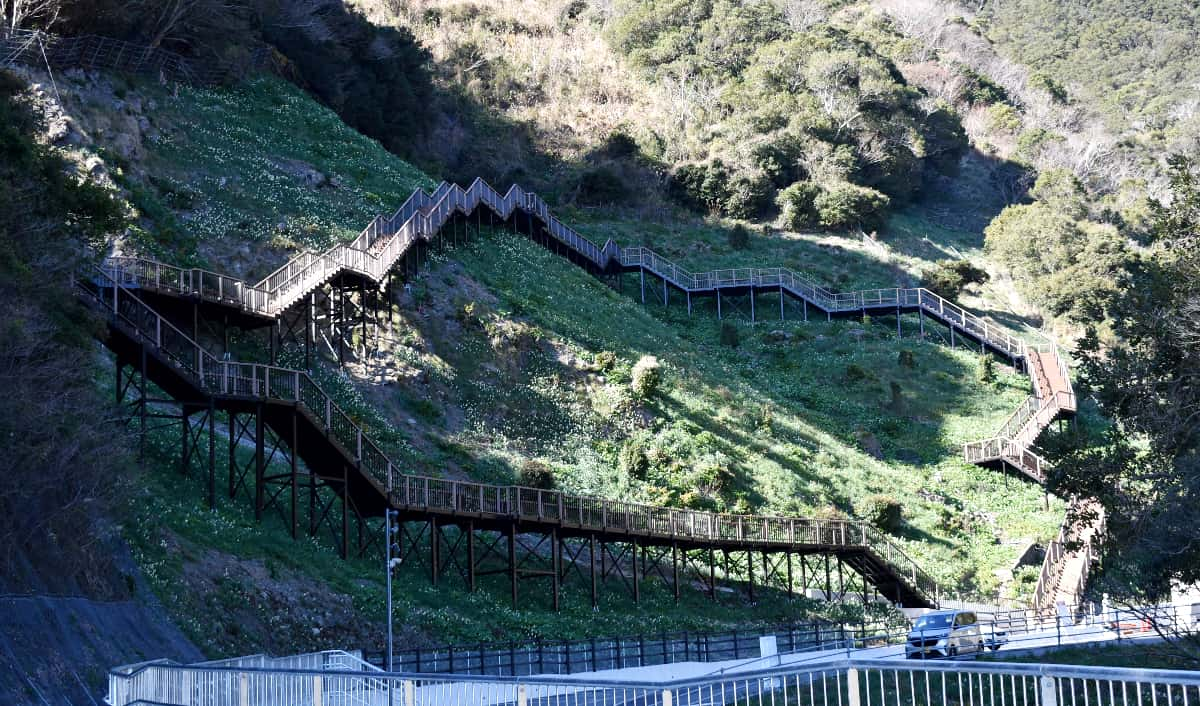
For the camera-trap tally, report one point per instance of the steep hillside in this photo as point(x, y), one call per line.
point(506, 355)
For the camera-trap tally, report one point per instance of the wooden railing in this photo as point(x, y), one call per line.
point(387, 238)
point(259, 381)
point(1059, 555)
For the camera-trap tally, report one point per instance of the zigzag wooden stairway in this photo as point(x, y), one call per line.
point(333, 463)
point(287, 299)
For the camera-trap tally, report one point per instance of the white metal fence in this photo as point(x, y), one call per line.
point(846, 682)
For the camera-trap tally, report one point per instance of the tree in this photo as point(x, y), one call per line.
point(19, 14)
point(1144, 468)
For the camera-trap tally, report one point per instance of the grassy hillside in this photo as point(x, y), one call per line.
point(505, 354)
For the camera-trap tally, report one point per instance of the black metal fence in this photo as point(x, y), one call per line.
point(574, 656)
point(91, 51)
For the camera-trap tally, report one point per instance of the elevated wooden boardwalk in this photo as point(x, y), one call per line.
point(289, 403)
point(373, 255)
point(341, 457)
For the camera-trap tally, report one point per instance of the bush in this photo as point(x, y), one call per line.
point(844, 204)
point(947, 278)
point(604, 360)
point(796, 203)
point(739, 237)
point(601, 186)
point(645, 377)
point(855, 373)
point(906, 359)
point(884, 511)
point(729, 335)
point(701, 186)
point(712, 187)
point(987, 369)
point(632, 460)
point(747, 195)
point(535, 474)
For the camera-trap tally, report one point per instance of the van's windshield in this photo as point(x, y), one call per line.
point(934, 621)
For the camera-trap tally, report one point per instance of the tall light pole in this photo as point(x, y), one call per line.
point(389, 517)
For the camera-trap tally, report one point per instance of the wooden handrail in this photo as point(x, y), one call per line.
point(386, 239)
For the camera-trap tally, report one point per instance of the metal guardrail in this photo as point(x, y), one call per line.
point(597, 654)
point(806, 679)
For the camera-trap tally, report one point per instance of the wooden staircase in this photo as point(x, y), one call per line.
point(373, 254)
point(334, 447)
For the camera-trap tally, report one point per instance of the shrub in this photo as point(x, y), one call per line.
point(604, 360)
point(948, 277)
point(747, 195)
point(600, 186)
point(632, 460)
point(700, 186)
point(1002, 117)
point(619, 145)
point(987, 369)
point(855, 373)
point(843, 204)
point(883, 511)
point(739, 237)
point(535, 474)
point(646, 377)
point(729, 335)
point(906, 359)
point(897, 403)
point(713, 187)
point(796, 203)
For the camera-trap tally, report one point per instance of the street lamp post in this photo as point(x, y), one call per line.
point(390, 517)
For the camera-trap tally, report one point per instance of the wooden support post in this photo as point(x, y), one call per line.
point(828, 581)
point(212, 454)
point(689, 301)
point(345, 511)
point(512, 561)
point(642, 275)
point(841, 581)
point(750, 573)
point(805, 310)
point(665, 291)
point(752, 316)
point(718, 303)
point(555, 561)
point(142, 410)
point(295, 475)
point(781, 318)
point(310, 312)
point(471, 556)
point(675, 568)
point(790, 590)
point(312, 502)
point(185, 428)
point(592, 560)
point(898, 332)
point(260, 461)
point(921, 319)
point(633, 566)
point(232, 454)
point(435, 545)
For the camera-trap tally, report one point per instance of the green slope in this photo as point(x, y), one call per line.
point(506, 354)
